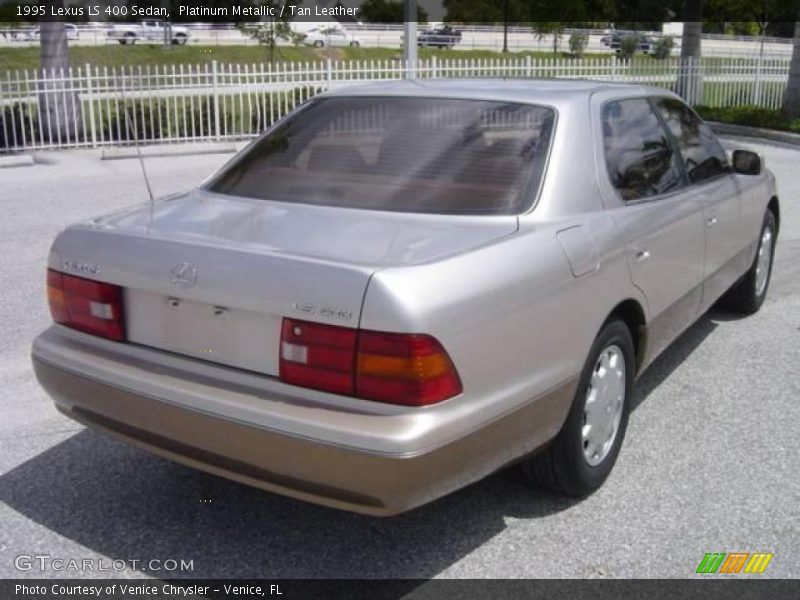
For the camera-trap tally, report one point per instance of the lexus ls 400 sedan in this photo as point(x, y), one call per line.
point(403, 287)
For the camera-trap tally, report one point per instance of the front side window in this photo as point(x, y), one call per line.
point(429, 155)
point(640, 159)
point(702, 154)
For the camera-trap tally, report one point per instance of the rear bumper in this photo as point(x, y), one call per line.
point(348, 478)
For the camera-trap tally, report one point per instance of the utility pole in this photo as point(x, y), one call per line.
point(410, 38)
point(505, 26)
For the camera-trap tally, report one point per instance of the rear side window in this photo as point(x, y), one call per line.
point(702, 154)
point(428, 155)
point(640, 159)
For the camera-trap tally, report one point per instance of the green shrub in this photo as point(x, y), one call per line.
point(155, 119)
point(663, 47)
point(18, 121)
point(628, 46)
point(577, 43)
point(751, 116)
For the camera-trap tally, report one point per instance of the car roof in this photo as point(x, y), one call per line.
point(528, 91)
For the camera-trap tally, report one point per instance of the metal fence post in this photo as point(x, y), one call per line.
point(215, 89)
point(759, 68)
point(328, 73)
point(90, 101)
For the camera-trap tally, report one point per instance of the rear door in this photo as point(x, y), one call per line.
point(659, 216)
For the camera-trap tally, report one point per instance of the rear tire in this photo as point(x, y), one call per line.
point(581, 456)
point(748, 294)
point(318, 44)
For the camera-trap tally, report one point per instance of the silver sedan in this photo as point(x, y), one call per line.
point(401, 288)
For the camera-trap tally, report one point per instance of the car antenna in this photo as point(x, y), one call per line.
point(138, 151)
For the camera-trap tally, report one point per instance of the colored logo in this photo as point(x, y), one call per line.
point(734, 562)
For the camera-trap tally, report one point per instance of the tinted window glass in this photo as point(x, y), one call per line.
point(702, 154)
point(399, 154)
point(640, 159)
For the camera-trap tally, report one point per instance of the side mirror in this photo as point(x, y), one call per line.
point(746, 162)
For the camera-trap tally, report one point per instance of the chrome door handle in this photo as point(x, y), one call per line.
point(642, 255)
point(711, 221)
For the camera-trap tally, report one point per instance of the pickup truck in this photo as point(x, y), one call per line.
point(148, 31)
point(442, 37)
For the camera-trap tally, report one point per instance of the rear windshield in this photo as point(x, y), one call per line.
point(426, 155)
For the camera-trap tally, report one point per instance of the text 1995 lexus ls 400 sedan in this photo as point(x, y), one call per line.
point(403, 287)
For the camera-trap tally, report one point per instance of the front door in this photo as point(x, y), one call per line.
point(709, 173)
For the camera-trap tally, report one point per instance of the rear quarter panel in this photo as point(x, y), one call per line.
point(512, 316)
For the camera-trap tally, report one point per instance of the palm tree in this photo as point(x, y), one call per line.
point(59, 108)
point(791, 97)
point(690, 80)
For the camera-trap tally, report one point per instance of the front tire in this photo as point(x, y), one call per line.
point(354, 44)
point(748, 294)
point(318, 44)
point(583, 453)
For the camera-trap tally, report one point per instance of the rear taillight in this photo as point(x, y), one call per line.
point(408, 369)
point(318, 356)
point(400, 368)
point(91, 306)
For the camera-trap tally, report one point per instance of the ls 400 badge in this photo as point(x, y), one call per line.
point(81, 267)
point(323, 311)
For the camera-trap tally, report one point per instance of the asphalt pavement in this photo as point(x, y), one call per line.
point(709, 463)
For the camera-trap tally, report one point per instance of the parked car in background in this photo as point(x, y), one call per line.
point(148, 31)
point(320, 37)
point(31, 35)
point(402, 287)
point(440, 37)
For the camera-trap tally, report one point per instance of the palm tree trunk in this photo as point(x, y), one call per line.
point(690, 80)
point(791, 97)
point(59, 108)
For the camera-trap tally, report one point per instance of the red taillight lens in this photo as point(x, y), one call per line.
point(91, 306)
point(318, 356)
point(409, 369)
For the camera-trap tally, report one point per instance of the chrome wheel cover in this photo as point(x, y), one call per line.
point(763, 260)
point(602, 412)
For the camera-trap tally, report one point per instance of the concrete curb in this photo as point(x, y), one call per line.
point(16, 160)
point(783, 137)
point(115, 153)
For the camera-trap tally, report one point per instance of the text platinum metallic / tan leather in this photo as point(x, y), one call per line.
point(403, 287)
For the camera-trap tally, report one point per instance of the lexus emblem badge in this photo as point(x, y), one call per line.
point(184, 275)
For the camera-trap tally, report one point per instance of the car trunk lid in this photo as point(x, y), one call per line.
point(212, 277)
